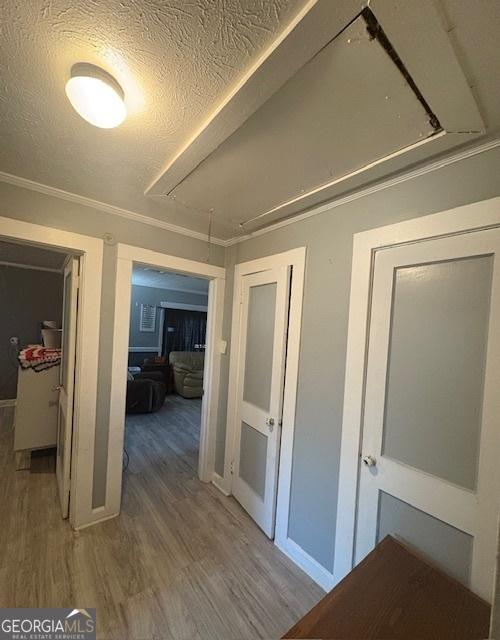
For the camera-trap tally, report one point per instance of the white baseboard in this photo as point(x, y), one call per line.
point(8, 403)
point(98, 521)
point(291, 549)
point(221, 484)
point(307, 563)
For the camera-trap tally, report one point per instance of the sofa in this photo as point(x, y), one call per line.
point(146, 392)
point(188, 372)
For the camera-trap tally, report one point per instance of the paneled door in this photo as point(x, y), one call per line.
point(262, 353)
point(67, 383)
point(431, 426)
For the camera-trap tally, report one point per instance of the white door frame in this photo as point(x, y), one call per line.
point(296, 258)
point(127, 256)
point(474, 217)
point(90, 251)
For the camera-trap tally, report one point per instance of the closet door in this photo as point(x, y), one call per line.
point(262, 351)
point(431, 438)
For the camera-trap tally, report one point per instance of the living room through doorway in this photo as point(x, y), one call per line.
point(168, 320)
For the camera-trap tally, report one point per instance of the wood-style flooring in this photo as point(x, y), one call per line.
point(181, 561)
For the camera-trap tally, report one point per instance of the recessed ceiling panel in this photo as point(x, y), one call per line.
point(348, 107)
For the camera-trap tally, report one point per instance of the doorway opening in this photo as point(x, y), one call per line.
point(81, 436)
point(131, 263)
point(39, 289)
point(165, 374)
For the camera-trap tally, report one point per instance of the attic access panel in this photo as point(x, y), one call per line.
point(348, 107)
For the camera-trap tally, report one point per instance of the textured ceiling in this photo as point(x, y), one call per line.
point(27, 255)
point(174, 60)
point(148, 277)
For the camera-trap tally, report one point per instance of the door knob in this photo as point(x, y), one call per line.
point(270, 423)
point(369, 461)
point(58, 388)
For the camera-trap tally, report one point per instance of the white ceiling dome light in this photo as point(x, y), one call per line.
point(96, 96)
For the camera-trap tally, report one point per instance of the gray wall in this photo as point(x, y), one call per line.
point(328, 238)
point(31, 206)
point(152, 295)
point(26, 297)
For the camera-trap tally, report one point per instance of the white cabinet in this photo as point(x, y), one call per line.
point(36, 409)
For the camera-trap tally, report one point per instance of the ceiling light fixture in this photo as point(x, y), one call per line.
point(96, 96)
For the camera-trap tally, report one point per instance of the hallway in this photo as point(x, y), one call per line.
point(181, 561)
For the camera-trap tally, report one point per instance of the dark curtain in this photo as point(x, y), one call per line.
point(184, 331)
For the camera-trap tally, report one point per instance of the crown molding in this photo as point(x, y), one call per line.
point(404, 176)
point(196, 292)
point(183, 306)
point(104, 207)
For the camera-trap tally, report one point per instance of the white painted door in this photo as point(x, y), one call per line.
point(431, 437)
point(262, 351)
point(67, 383)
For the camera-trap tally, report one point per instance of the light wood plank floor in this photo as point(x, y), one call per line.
point(181, 561)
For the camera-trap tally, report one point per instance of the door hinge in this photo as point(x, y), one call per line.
point(231, 468)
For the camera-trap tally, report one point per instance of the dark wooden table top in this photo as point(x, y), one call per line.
point(394, 594)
